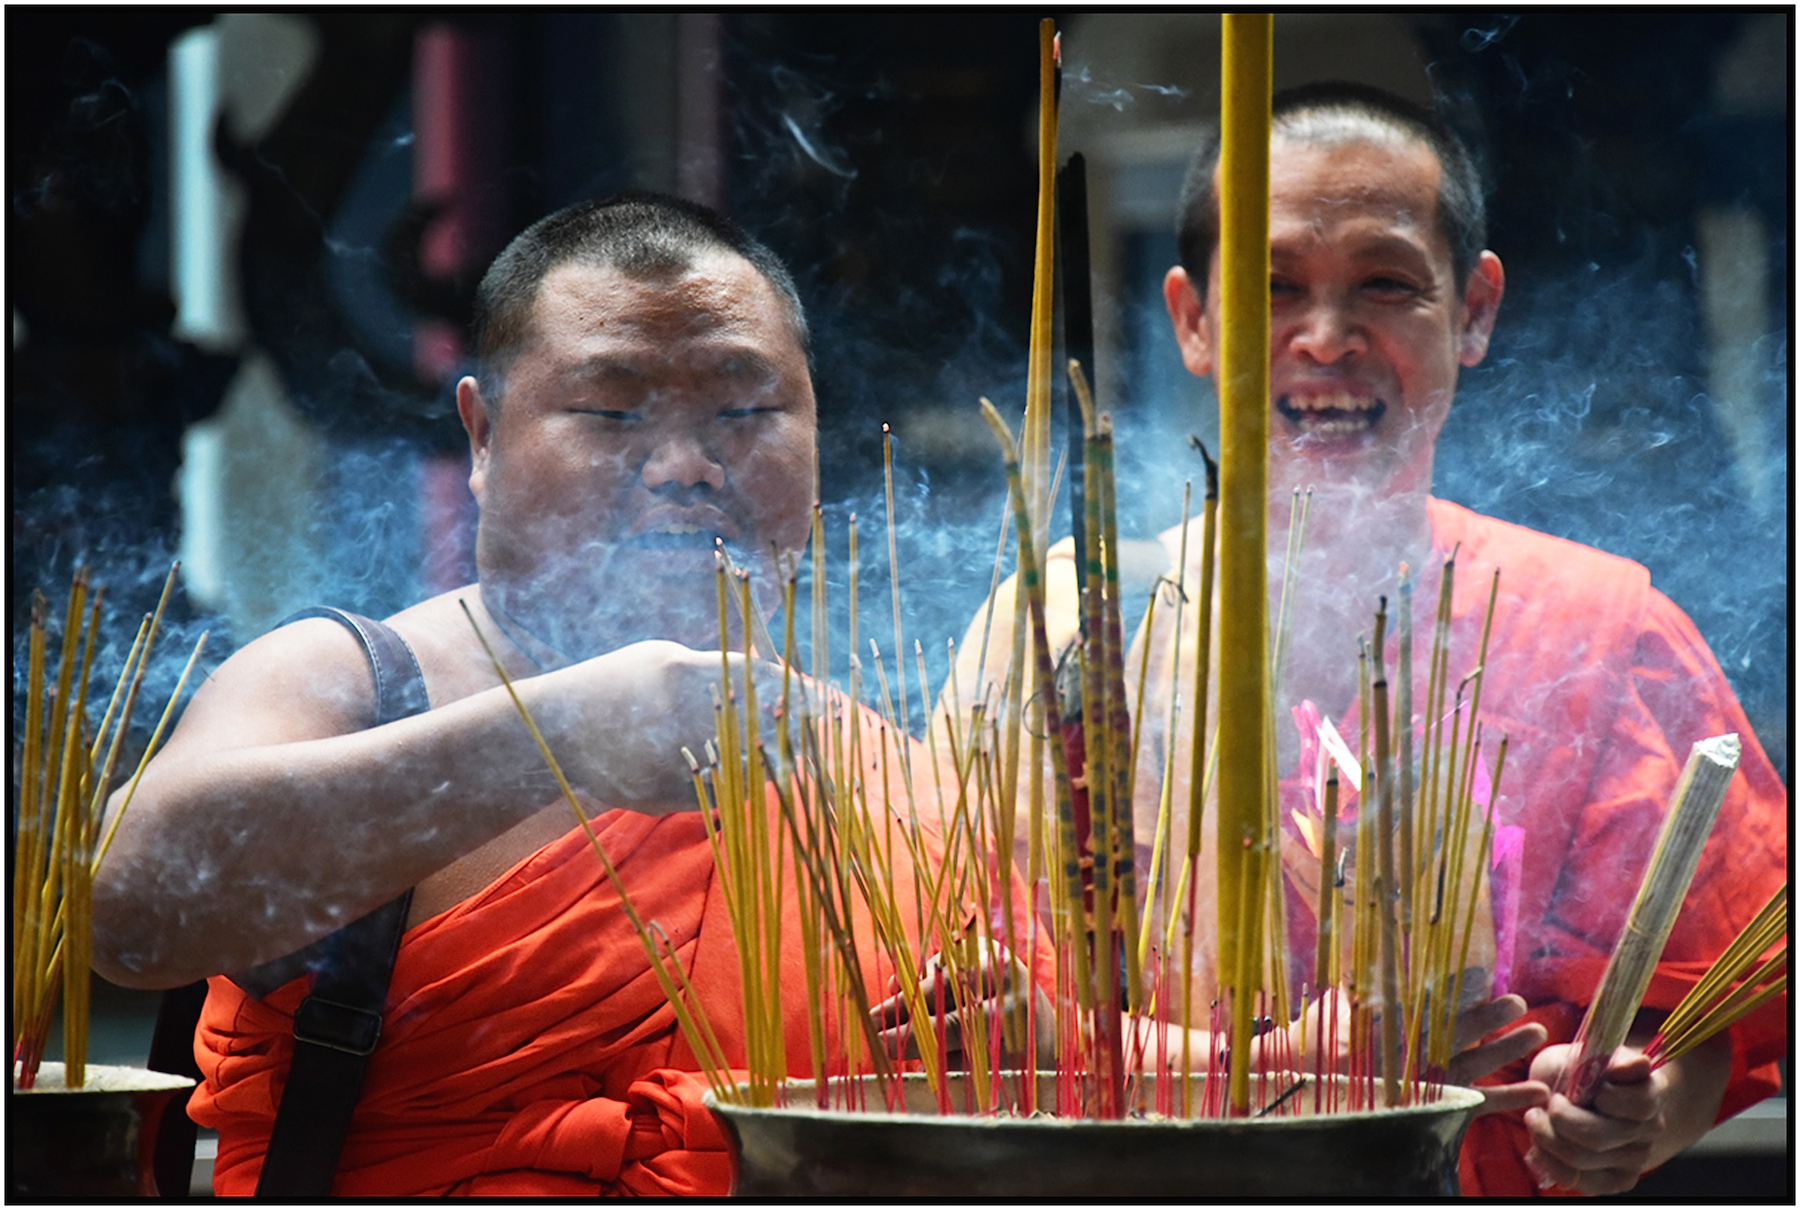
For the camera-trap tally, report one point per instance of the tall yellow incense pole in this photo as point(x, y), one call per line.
point(1243, 382)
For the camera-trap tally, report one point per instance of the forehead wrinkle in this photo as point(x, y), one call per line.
point(688, 302)
point(641, 361)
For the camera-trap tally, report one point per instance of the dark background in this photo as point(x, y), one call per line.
point(888, 156)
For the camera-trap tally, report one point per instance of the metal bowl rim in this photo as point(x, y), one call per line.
point(144, 1081)
point(1453, 1099)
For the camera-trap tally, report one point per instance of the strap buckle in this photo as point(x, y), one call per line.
point(345, 1027)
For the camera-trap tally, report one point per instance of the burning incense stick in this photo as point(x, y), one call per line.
point(1032, 590)
point(63, 796)
point(1197, 761)
point(1689, 821)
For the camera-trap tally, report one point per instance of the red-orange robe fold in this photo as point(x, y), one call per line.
point(528, 1049)
point(1603, 685)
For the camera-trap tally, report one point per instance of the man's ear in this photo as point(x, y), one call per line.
point(1188, 317)
point(476, 423)
point(1481, 304)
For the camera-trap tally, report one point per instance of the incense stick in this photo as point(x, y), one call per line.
point(1689, 821)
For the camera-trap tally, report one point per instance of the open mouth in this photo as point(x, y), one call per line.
point(693, 538)
point(1335, 415)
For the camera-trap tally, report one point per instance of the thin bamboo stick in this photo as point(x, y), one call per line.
point(1746, 999)
point(1403, 734)
point(42, 868)
point(25, 874)
point(1197, 757)
point(1387, 895)
point(1769, 923)
point(1159, 880)
point(1032, 591)
point(887, 475)
point(1448, 1027)
point(697, 1038)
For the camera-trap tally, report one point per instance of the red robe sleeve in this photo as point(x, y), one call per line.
point(1676, 694)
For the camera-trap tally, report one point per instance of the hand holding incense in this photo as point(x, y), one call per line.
point(1698, 796)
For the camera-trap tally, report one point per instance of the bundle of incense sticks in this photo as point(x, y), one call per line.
point(1416, 900)
point(817, 833)
point(66, 773)
point(820, 824)
point(1692, 811)
point(1726, 995)
point(891, 869)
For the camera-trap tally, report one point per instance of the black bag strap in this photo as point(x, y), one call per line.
point(172, 1051)
point(338, 1025)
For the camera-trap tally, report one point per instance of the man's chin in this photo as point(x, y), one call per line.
point(1360, 452)
point(583, 619)
point(608, 628)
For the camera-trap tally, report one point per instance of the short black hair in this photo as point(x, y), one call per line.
point(1333, 111)
point(639, 233)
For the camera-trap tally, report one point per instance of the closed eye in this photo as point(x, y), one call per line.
point(1393, 286)
point(745, 413)
point(606, 413)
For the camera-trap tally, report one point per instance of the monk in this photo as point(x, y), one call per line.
point(644, 396)
point(1381, 289)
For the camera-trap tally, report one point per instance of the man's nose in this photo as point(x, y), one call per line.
point(680, 459)
point(1326, 332)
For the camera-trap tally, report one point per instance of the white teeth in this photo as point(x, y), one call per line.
point(676, 529)
point(1333, 427)
point(1330, 403)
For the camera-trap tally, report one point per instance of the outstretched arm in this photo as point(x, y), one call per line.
point(272, 817)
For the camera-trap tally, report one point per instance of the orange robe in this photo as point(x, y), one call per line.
point(528, 1049)
point(1603, 685)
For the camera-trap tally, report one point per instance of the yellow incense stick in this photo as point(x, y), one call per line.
point(1247, 67)
point(1032, 591)
point(1711, 1005)
point(697, 1039)
point(30, 825)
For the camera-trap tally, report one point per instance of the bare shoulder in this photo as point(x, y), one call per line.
point(306, 680)
point(444, 641)
point(310, 679)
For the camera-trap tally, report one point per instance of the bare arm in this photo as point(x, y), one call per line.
point(272, 818)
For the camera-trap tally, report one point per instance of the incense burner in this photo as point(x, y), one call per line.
point(800, 1150)
point(93, 1143)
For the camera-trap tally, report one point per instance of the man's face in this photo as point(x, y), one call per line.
point(1367, 328)
point(643, 420)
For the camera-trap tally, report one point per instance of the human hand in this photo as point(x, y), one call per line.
point(1481, 1050)
point(1607, 1146)
point(617, 723)
point(993, 983)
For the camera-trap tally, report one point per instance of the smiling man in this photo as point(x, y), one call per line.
point(644, 393)
point(1381, 290)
